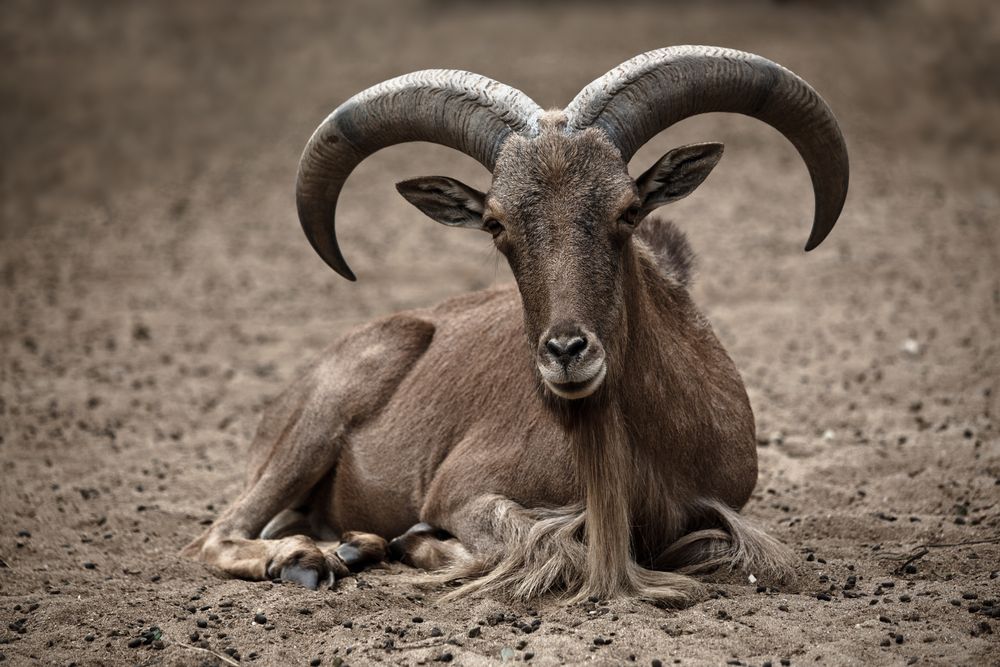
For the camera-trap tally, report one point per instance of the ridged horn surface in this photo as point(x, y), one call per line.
point(465, 111)
point(649, 93)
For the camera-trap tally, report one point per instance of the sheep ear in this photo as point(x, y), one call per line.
point(677, 174)
point(446, 200)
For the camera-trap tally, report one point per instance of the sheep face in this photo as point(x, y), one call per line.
point(562, 209)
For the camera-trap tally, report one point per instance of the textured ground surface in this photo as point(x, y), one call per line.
point(156, 292)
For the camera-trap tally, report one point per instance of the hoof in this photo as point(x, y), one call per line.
point(397, 548)
point(351, 556)
point(400, 546)
point(304, 576)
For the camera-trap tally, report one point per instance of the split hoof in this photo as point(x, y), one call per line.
point(351, 556)
point(304, 576)
point(360, 550)
point(401, 547)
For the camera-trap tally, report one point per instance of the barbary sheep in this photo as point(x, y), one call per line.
point(583, 432)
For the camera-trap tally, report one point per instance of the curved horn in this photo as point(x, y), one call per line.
point(465, 111)
point(649, 93)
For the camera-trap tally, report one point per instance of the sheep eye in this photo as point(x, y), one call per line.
point(493, 226)
point(631, 215)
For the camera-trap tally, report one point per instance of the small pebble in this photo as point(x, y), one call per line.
point(314, 662)
point(88, 638)
point(417, 619)
point(474, 632)
point(135, 642)
point(348, 624)
point(201, 623)
point(260, 619)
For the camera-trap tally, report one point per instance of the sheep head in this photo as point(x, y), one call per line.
point(561, 206)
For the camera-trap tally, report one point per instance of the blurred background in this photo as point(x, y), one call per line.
point(156, 290)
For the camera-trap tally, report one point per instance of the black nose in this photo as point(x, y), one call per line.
point(565, 348)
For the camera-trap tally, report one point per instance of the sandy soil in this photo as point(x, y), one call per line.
point(156, 292)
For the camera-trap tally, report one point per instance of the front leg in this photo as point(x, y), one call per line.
point(498, 547)
point(298, 443)
point(505, 550)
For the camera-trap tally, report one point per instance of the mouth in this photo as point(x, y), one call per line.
point(574, 389)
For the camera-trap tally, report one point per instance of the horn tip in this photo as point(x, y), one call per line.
point(816, 237)
point(345, 271)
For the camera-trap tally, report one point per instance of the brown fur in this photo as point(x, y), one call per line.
point(671, 249)
point(440, 415)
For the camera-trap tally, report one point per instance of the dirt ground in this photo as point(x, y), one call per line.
point(156, 292)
